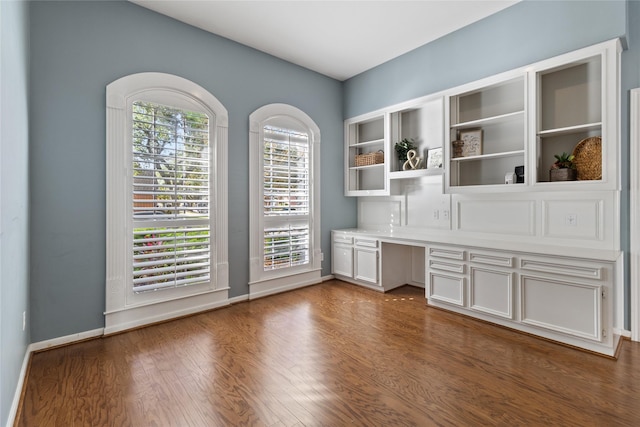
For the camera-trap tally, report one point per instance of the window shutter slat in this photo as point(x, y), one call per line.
point(286, 195)
point(170, 185)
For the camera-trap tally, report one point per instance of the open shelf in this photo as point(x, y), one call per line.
point(366, 136)
point(489, 156)
point(376, 166)
point(496, 113)
point(367, 143)
point(571, 129)
point(416, 173)
point(490, 120)
point(569, 109)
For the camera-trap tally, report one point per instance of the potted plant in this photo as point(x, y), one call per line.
point(402, 148)
point(563, 169)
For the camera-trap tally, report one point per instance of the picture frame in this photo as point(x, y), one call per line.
point(471, 142)
point(434, 158)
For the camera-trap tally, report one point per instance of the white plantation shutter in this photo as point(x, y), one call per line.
point(170, 197)
point(286, 192)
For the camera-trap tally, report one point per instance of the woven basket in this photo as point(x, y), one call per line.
point(588, 158)
point(369, 158)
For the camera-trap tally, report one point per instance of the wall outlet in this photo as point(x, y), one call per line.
point(571, 220)
point(436, 214)
point(24, 320)
point(445, 214)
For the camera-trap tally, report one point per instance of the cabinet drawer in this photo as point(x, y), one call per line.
point(342, 238)
point(449, 253)
point(499, 260)
point(367, 243)
point(568, 268)
point(436, 264)
point(446, 288)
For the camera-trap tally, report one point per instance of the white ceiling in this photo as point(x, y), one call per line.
point(336, 38)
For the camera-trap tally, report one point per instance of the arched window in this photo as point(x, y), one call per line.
point(284, 200)
point(166, 200)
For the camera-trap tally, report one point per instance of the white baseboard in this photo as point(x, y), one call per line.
point(68, 339)
point(327, 278)
point(241, 298)
point(622, 332)
point(13, 411)
point(144, 315)
point(266, 288)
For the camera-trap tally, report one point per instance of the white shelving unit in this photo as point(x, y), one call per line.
point(420, 120)
point(421, 123)
point(366, 135)
point(495, 108)
point(576, 97)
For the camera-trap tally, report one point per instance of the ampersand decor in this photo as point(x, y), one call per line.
point(413, 161)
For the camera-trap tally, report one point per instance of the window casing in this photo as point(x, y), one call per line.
point(284, 181)
point(166, 200)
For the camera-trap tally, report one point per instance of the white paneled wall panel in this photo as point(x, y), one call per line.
point(574, 219)
point(507, 217)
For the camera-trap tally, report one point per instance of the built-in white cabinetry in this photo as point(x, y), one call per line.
point(560, 298)
point(577, 100)
point(527, 252)
point(367, 155)
point(371, 162)
point(342, 255)
point(366, 256)
point(488, 128)
point(446, 275)
point(356, 259)
point(567, 104)
point(491, 283)
point(487, 132)
point(376, 264)
point(420, 122)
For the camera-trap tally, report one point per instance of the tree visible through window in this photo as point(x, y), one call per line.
point(171, 181)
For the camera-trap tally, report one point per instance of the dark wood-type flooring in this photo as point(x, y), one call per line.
point(332, 354)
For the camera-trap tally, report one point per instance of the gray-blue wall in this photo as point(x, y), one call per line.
point(77, 48)
point(14, 207)
point(527, 32)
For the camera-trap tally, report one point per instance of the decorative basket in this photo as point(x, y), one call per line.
point(369, 158)
point(588, 158)
point(562, 175)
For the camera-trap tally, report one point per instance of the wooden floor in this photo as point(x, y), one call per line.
point(329, 355)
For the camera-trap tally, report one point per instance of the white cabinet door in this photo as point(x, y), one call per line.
point(343, 260)
point(491, 291)
point(568, 307)
point(446, 288)
point(366, 265)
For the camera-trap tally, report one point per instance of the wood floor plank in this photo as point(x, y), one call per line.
point(329, 355)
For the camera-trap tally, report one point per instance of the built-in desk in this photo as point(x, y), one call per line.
point(552, 292)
